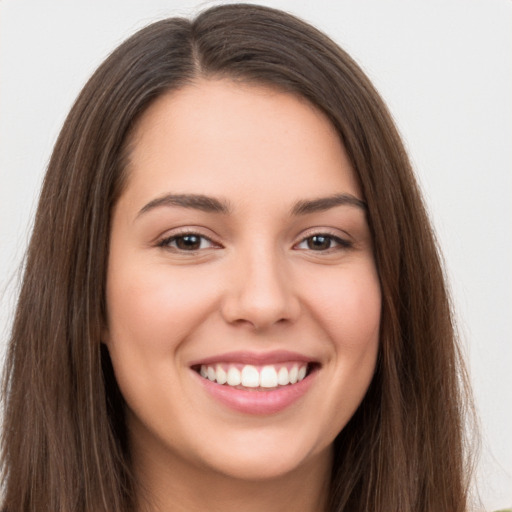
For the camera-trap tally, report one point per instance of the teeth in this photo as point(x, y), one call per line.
point(234, 377)
point(282, 377)
point(294, 374)
point(250, 377)
point(222, 376)
point(269, 376)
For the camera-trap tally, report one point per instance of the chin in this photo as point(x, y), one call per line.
point(265, 459)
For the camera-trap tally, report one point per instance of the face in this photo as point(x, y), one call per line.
point(242, 294)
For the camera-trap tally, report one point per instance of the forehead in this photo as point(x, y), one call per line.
point(215, 136)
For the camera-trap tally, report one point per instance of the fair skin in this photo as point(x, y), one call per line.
point(222, 260)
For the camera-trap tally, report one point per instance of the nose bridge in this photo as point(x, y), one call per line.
point(261, 292)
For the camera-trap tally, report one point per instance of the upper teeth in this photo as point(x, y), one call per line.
point(250, 376)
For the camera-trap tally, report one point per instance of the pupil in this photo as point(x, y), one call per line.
point(319, 242)
point(188, 242)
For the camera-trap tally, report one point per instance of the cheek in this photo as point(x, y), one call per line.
point(350, 313)
point(156, 308)
point(348, 305)
point(153, 311)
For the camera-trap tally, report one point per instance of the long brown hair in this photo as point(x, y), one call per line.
point(64, 440)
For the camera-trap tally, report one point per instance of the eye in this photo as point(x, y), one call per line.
point(323, 242)
point(187, 242)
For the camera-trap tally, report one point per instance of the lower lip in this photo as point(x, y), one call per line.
point(258, 402)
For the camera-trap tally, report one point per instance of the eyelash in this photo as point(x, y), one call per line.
point(342, 244)
point(166, 242)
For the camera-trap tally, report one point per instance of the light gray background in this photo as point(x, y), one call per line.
point(443, 66)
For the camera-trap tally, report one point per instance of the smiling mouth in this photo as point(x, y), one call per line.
point(256, 377)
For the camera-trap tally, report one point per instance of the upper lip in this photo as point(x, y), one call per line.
point(255, 358)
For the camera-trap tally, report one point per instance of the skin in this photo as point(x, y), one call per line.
point(256, 282)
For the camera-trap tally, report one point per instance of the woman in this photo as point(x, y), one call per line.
point(232, 296)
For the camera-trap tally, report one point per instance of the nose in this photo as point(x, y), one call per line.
point(260, 292)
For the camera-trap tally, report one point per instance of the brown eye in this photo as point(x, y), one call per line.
point(323, 242)
point(319, 242)
point(187, 242)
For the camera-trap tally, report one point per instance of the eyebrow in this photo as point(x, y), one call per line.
point(194, 201)
point(213, 205)
point(326, 203)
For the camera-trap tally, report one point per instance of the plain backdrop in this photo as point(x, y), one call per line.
point(443, 66)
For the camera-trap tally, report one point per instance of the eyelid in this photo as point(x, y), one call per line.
point(166, 239)
point(343, 242)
